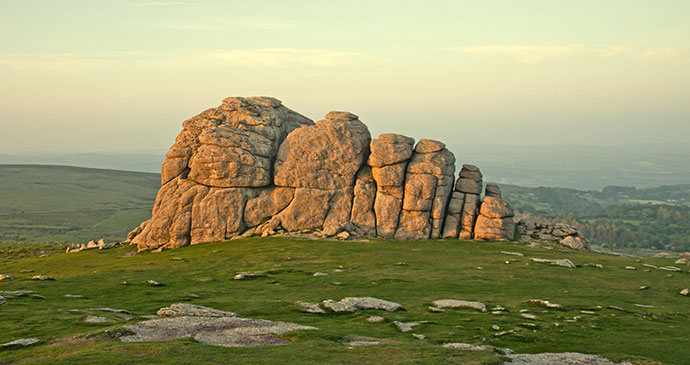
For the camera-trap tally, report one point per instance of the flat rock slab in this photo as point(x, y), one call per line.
point(16, 293)
point(219, 328)
point(42, 277)
point(454, 303)
point(351, 304)
point(97, 319)
point(557, 262)
point(6, 277)
point(405, 326)
point(21, 342)
point(310, 307)
point(569, 358)
point(248, 275)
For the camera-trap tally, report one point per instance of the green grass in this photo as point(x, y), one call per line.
point(437, 269)
point(72, 204)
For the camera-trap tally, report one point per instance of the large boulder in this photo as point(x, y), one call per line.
point(217, 165)
point(323, 156)
point(321, 162)
point(233, 145)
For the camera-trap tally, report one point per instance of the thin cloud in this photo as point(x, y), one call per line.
point(523, 53)
point(666, 54)
point(283, 57)
point(259, 58)
point(147, 4)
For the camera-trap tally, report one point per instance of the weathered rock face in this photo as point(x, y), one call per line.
point(390, 154)
point(254, 167)
point(214, 170)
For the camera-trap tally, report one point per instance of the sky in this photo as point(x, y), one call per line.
point(122, 75)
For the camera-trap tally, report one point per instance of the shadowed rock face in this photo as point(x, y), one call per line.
point(253, 166)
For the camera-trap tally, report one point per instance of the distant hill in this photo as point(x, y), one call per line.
point(142, 162)
point(61, 203)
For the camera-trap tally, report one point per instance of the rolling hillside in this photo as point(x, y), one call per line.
point(72, 204)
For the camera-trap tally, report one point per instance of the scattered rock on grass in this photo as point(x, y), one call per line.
point(97, 319)
point(6, 277)
point(209, 326)
point(248, 275)
point(21, 342)
point(466, 346)
point(453, 303)
point(375, 319)
point(418, 336)
point(670, 268)
point(682, 261)
point(351, 304)
point(558, 358)
point(512, 253)
point(528, 316)
point(557, 262)
point(16, 293)
point(153, 283)
point(544, 303)
point(630, 268)
point(684, 292)
point(2, 300)
point(73, 296)
point(310, 307)
point(317, 274)
point(42, 277)
point(360, 343)
point(405, 326)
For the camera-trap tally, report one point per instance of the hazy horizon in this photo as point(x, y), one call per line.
point(84, 76)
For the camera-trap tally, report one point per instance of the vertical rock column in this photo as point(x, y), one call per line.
point(464, 204)
point(428, 184)
point(389, 157)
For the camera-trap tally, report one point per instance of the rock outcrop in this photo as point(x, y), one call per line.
point(254, 167)
point(561, 233)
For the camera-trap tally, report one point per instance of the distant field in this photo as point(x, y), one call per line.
point(72, 204)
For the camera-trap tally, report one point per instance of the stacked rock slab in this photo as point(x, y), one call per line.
point(428, 184)
point(390, 154)
point(495, 220)
point(254, 167)
point(464, 204)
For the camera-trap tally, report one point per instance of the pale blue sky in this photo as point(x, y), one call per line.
point(87, 76)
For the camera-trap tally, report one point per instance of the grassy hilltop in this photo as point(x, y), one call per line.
point(620, 321)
